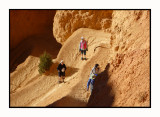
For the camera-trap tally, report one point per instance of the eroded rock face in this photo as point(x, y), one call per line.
point(129, 73)
point(68, 21)
point(130, 30)
point(26, 23)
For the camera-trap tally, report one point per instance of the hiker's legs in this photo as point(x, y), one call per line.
point(63, 76)
point(60, 77)
point(60, 80)
point(82, 54)
point(85, 54)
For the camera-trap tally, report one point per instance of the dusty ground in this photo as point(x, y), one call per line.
point(125, 70)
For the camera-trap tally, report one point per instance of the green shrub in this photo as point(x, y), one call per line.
point(45, 62)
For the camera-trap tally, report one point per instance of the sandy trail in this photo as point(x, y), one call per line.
point(28, 88)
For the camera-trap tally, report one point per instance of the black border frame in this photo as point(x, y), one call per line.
point(80, 107)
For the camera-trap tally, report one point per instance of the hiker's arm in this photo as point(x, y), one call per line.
point(96, 74)
point(87, 46)
point(80, 46)
point(65, 67)
point(58, 68)
point(98, 70)
point(94, 71)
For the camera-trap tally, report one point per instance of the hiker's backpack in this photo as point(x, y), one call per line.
point(83, 45)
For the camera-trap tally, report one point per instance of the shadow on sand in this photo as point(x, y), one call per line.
point(67, 102)
point(101, 95)
point(35, 46)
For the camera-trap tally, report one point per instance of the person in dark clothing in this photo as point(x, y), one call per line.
point(61, 71)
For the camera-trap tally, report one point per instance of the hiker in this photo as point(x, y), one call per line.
point(83, 47)
point(93, 74)
point(61, 71)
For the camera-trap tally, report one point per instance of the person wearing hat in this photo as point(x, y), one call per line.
point(94, 72)
point(83, 47)
point(61, 71)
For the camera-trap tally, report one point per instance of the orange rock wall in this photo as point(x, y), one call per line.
point(26, 23)
point(68, 21)
point(130, 30)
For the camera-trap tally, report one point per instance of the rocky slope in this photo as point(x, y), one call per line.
point(122, 50)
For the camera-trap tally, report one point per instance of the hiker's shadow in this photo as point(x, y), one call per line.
point(53, 70)
point(101, 95)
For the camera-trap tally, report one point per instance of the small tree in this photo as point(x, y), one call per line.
point(45, 62)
